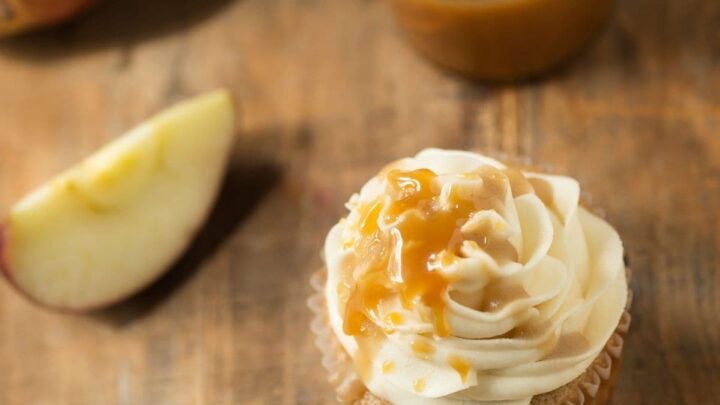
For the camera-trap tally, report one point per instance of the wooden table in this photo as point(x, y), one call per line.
point(330, 92)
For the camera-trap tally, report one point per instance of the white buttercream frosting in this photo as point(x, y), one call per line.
point(531, 284)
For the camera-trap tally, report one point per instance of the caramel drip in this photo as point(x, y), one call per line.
point(422, 349)
point(403, 235)
point(394, 319)
point(388, 367)
point(419, 385)
point(461, 366)
point(368, 347)
point(364, 302)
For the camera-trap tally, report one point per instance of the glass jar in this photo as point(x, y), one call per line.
point(501, 39)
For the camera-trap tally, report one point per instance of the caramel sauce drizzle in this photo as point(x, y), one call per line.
point(422, 349)
point(419, 385)
point(419, 229)
point(394, 319)
point(460, 365)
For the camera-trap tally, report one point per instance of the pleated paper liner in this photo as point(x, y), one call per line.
point(593, 387)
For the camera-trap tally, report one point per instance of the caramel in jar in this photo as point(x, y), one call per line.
point(500, 39)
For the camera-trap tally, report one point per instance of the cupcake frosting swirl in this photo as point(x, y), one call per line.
point(457, 280)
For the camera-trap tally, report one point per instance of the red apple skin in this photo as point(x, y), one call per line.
point(21, 15)
point(4, 241)
point(6, 270)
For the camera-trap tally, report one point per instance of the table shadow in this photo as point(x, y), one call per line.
point(111, 23)
point(243, 189)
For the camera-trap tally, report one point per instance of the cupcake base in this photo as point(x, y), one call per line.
point(593, 387)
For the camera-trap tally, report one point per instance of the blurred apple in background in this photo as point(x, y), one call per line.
point(22, 15)
point(111, 225)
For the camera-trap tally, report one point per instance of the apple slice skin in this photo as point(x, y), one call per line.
point(4, 239)
point(22, 15)
point(19, 16)
point(9, 266)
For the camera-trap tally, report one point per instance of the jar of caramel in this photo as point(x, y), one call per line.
point(500, 39)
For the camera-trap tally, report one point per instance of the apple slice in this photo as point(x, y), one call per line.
point(111, 225)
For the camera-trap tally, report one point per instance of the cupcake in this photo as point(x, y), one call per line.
point(457, 279)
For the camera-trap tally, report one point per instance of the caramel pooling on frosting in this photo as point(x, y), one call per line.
point(412, 219)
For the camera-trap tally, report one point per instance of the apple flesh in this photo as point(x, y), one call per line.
point(21, 15)
point(111, 225)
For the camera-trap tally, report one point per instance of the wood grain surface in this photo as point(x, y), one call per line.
point(330, 92)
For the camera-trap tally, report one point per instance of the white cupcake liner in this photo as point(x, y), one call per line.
point(349, 388)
